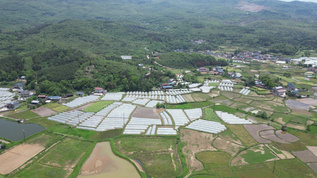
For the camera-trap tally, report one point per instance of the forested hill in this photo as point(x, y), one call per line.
point(129, 26)
point(60, 71)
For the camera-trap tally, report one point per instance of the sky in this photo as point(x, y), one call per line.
point(315, 1)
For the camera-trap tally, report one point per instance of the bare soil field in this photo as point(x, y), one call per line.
point(227, 146)
point(15, 157)
point(280, 120)
point(43, 111)
point(299, 127)
point(286, 136)
point(188, 98)
point(306, 156)
point(197, 97)
point(255, 129)
point(241, 115)
point(243, 100)
point(269, 134)
point(313, 149)
point(313, 166)
point(230, 95)
point(214, 93)
point(308, 101)
point(104, 163)
point(237, 105)
point(296, 105)
point(195, 142)
point(301, 112)
point(146, 113)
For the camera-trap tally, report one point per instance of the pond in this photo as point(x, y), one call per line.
point(15, 131)
point(103, 163)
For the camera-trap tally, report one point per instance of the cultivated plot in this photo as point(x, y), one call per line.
point(113, 96)
point(81, 101)
point(206, 126)
point(179, 116)
point(231, 119)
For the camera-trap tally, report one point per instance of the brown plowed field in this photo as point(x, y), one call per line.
point(17, 156)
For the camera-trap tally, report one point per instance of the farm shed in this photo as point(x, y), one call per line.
point(13, 105)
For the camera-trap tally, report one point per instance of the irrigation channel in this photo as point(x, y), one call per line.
point(103, 163)
point(17, 131)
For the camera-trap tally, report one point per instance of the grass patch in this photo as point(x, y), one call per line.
point(200, 96)
point(44, 139)
point(210, 115)
point(39, 170)
point(215, 164)
point(56, 107)
point(254, 171)
point(285, 117)
point(253, 157)
point(213, 84)
point(138, 144)
point(66, 153)
point(295, 146)
point(291, 168)
point(24, 115)
point(213, 157)
point(275, 150)
point(229, 134)
point(224, 109)
point(189, 105)
point(298, 120)
point(242, 134)
point(68, 130)
point(158, 164)
point(43, 121)
point(308, 139)
point(106, 135)
point(97, 106)
point(212, 170)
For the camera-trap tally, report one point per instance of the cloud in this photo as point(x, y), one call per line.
point(315, 1)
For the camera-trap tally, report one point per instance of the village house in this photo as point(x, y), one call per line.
point(54, 98)
point(166, 86)
point(291, 87)
point(279, 91)
point(26, 94)
point(43, 97)
point(79, 93)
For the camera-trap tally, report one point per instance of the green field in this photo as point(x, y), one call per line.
point(210, 115)
point(242, 134)
point(154, 153)
point(213, 157)
point(137, 144)
point(39, 170)
point(56, 107)
point(45, 139)
point(254, 171)
point(66, 153)
point(291, 168)
point(215, 164)
point(59, 161)
point(253, 157)
point(106, 134)
point(24, 115)
point(97, 106)
point(189, 105)
point(68, 130)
